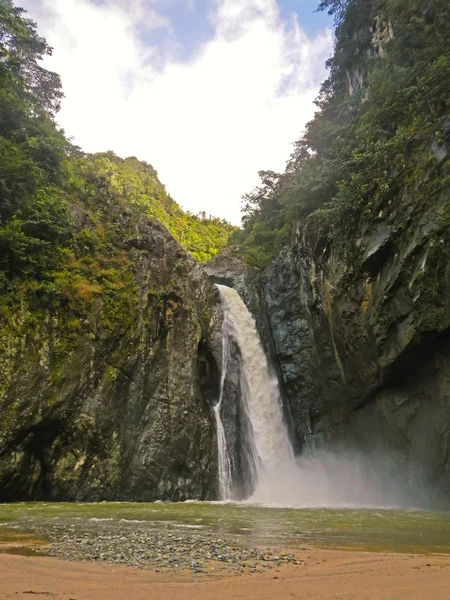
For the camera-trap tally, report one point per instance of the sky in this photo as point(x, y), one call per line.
point(207, 91)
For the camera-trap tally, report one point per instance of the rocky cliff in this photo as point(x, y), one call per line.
point(124, 413)
point(358, 296)
point(110, 341)
point(358, 330)
point(362, 336)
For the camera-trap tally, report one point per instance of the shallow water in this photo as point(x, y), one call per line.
point(13, 541)
point(380, 529)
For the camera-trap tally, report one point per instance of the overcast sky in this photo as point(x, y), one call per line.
point(207, 91)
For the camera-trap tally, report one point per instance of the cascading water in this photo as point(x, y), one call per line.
point(268, 447)
point(222, 448)
point(276, 475)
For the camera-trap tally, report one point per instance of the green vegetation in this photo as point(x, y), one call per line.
point(382, 128)
point(383, 114)
point(134, 185)
point(65, 215)
point(33, 213)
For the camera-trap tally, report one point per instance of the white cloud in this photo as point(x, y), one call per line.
point(207, 125)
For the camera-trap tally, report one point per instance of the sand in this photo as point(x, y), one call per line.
point(328, 574)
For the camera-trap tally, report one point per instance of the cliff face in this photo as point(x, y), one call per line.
point(362, 336)
point(110, 339)
point(126, 415)
point(362, 352)
point(358, 298)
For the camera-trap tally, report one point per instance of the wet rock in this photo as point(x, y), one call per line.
point(198, 553)
point(124, 416)
point(361, 329)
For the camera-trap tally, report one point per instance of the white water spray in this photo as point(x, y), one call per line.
point(269, 447)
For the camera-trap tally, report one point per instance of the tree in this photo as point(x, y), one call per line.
point(367, 142)
point(33, 213)
point(333, 7)
point(21, 49)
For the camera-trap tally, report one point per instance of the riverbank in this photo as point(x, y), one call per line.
point(210, 551)
point(326, 574)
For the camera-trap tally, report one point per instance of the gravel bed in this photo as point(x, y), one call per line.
point(164, 550)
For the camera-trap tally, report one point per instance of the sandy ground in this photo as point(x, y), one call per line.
point(328, 574)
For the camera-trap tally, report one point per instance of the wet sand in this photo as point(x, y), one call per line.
point(328, 574)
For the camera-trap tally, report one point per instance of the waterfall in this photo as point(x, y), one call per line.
point(269, 451)
point(276, 476)
point(222, 448)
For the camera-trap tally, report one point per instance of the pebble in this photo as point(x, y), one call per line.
point(161, 550)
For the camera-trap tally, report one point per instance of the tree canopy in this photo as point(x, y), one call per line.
point(43, 177)
point(33, 213)
point(385, 103)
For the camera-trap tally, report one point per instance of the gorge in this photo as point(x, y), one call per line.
point(150, 354)
point(120, 423)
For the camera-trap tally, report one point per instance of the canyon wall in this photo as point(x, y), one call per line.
point(126, 414)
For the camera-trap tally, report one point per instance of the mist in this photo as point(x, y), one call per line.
point(344, 479)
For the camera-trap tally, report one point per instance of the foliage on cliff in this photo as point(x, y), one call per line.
point(134, 185)
point(382, 128)
point(61, 211)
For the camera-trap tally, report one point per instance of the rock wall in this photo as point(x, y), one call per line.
point(127, 415)
point(362, 336)
point(359, 338)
